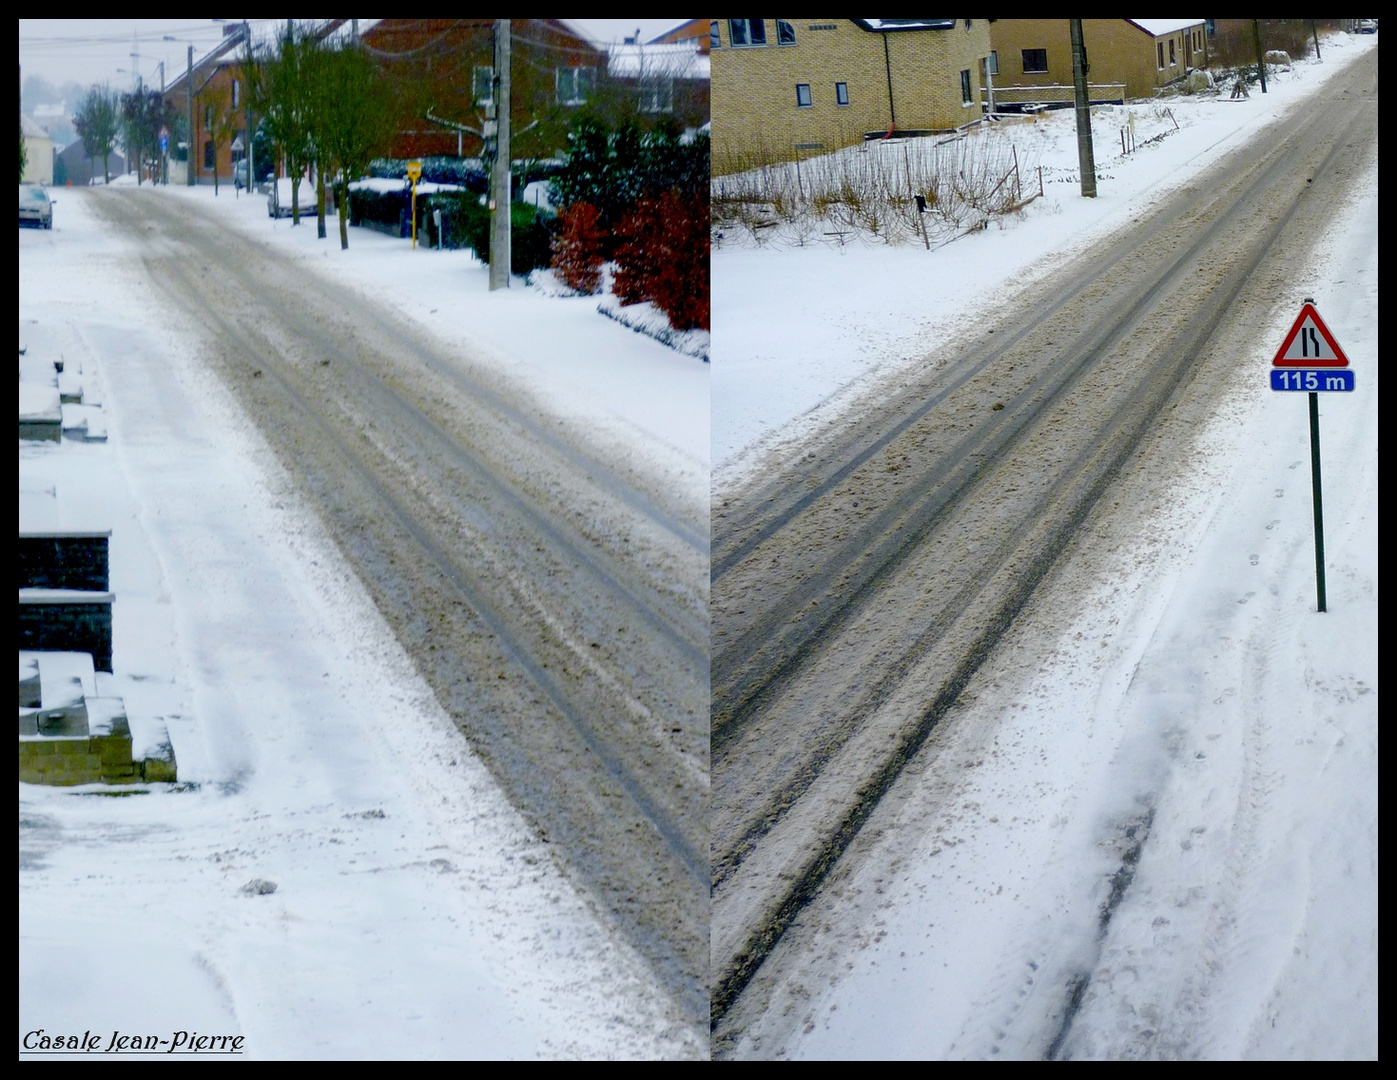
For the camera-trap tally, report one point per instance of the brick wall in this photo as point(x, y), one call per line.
point(1117, 50)
point(756, 112)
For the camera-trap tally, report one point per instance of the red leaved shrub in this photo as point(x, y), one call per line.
point(663, 258)
point(577, 249)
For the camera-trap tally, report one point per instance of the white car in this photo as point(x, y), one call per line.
point(279, 198)
point(35, 206)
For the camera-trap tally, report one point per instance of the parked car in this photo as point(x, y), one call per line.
point(279, 198)
point(35, 206)
point(1367, 26)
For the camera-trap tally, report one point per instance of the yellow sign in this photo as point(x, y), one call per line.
point(414, 170)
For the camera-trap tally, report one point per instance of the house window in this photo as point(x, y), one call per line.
point(746, 32)
point(992, 65)
point(236, 88)
point(965, 97)
point(208, 116)
point(1160, 46)
point(483, 86)
point(656, 94)
point(1035, 60)
point(1172, 61)
point(208, 154)
point(575, 85)
point(715, 40)
point(785, 32)
point(803, 100)
point(841, 93)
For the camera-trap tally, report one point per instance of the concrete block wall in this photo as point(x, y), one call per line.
point(76, 560)
point(81, 623)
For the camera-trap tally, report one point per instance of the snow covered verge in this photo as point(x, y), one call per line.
point(801, 331)
point(414, 914)
point(1172, 735)
point(623, 386)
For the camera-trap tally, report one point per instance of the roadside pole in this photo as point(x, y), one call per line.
point(1319, 500)
point(1086, 160)
point(189, 92)
point(414, 170)
point(1311, 361)
point(247, 110)
point(500, 195)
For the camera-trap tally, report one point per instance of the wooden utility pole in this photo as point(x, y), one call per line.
point(1086, 160)
point(500, 194)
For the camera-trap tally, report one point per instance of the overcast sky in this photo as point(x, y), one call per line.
point(90, 51)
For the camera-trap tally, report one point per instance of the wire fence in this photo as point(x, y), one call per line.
point(922, 190)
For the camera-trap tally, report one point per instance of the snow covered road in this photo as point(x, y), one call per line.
point(417, 913)
point(811, 736)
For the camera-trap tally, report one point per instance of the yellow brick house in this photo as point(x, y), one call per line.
point(785, 88)
point(1138, 55)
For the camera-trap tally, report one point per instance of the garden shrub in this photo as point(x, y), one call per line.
point(662, 257)
point(578, 248)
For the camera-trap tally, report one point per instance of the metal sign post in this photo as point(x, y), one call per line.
point(1311, 361)
point(414, 170)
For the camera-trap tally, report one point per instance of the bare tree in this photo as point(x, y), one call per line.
point(279, 79)
point(97, 124)
point(355, 117)
point(222, 126)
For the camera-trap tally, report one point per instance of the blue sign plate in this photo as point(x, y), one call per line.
point(1311, 381)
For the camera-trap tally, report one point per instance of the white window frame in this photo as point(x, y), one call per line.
point(656, 94)
point(574, 84)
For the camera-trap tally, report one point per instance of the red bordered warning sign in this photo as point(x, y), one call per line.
point(1310, 344)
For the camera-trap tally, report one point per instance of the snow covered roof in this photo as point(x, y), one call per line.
point(889, 25)
point(1163, 27)
point(31, 128)
point(678, 61)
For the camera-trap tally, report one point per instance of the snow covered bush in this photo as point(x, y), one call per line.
point(578, 248)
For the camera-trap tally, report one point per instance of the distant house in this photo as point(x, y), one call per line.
point(691, 31)
point(219, 88)
point(38, 152)
point(667, 79)
point(787, 87)
point(445, 70)
point(1127, 58)
point(79, 169)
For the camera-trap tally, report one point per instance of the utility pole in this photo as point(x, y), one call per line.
point(1260, 56)
point(1086, 160)
point(499, 176)
point(164, 155)
point(247, 102)
point(189, 91)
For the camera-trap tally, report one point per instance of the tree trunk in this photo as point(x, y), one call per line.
point(319, 203)
point(294, 168)
point(344, 214)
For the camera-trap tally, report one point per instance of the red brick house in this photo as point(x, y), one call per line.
point(446, 69)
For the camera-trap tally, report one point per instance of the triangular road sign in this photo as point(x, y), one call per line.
point(1310, 344)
